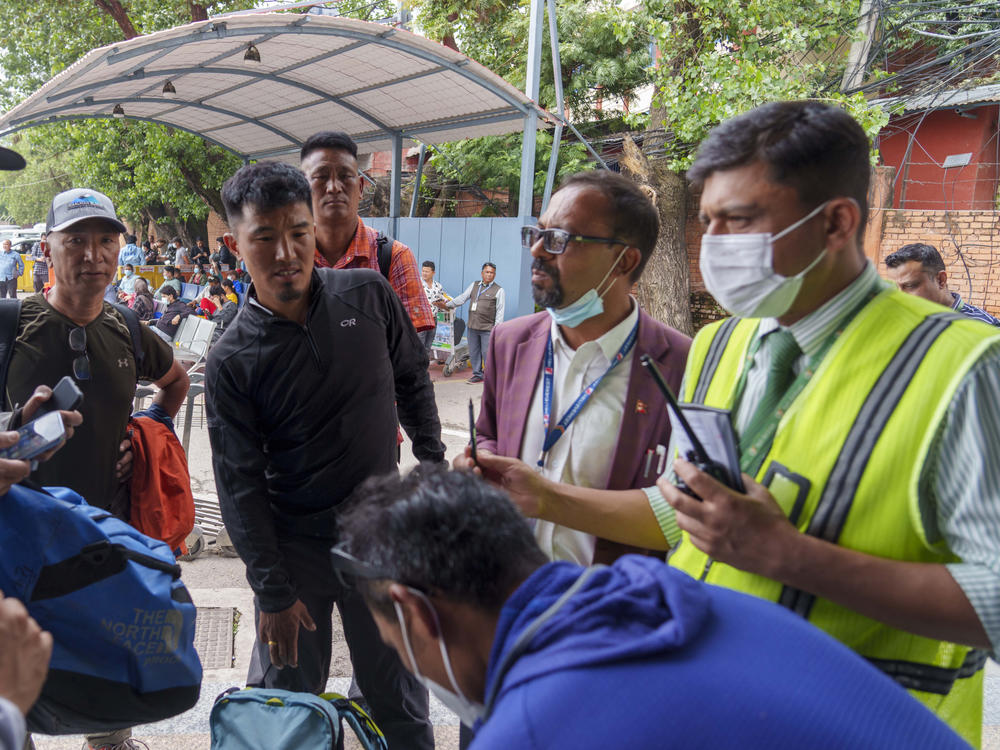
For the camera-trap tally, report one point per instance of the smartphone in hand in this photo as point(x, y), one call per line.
point(66, 396)
point(36, 437)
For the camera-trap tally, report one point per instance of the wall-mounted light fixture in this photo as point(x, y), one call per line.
point(118, 111)
point(169, 90)
point(252, 54)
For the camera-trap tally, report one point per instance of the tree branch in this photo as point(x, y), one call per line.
point(117, 11)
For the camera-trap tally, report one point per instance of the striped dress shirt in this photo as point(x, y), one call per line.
point(960, 483)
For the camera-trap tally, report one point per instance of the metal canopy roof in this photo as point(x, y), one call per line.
point(315, 73)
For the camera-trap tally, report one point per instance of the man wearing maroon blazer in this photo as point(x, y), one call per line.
point(568, 412)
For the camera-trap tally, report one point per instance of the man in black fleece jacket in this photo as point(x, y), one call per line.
point(302, 389)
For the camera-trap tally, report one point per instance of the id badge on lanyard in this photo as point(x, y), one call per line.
point(552, 436)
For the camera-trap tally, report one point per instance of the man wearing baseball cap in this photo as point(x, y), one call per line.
point(75, 332)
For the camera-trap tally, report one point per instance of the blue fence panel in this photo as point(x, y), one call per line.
point(513, 265)
point(379, 223)
point(459, 247)
point(453, 265)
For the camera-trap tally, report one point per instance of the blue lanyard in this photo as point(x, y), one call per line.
point(552, 436)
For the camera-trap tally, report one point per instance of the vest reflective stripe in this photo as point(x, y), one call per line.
point(737, 336)
point(712, 359)
point(938, 680)
point(858, 434)
point(838, 494)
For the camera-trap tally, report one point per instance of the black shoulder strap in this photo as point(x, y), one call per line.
point(10, 314)
point(384, 253)
point(132, 321)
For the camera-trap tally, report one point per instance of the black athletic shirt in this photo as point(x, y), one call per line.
point(298, 416)
point(42, 356)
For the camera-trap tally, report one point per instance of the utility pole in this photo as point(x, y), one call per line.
point(526, 194)
point(854, 73)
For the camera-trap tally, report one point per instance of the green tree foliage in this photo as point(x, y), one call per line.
point(151, 172)
point(602, 60)
point(495, 161)
point(597, 63)
point(724, 57)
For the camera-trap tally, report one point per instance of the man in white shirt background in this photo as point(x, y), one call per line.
point(434, 292)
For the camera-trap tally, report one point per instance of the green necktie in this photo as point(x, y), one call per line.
point(784, 352)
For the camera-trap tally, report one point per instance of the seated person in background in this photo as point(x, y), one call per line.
point(150, 252)
point(182, 256)
point(142, 303)
point(234, 276)
point(163, 252)
point(225, 310)
point(230, 289)
point(199, 253)
point(172, 279)
point(534, 654)
point(199, 276)
point(171, 319)
point(204, 305)
point(126, 285)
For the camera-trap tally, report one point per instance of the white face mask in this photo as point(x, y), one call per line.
point(469, 712)
point(739, 272)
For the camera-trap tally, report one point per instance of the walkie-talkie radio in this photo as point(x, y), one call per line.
point(713, 423)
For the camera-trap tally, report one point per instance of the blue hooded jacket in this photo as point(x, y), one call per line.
point(643, 656)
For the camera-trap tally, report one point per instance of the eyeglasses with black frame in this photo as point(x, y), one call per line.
point(78, 345)
point(555, 240)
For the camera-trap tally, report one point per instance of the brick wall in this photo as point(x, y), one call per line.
point(967, 240)
point(704, 308)
point(216, 227)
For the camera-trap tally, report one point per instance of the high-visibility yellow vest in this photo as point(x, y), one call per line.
point(845, 466)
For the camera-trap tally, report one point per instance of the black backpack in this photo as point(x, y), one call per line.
point(384, 244)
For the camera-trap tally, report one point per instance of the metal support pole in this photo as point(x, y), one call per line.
point(557, 80)
point(526, 195)
point(854, 73)
point(396, 184)
point(416, 182)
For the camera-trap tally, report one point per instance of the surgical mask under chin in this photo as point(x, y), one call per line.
point(738, 270)
point(590, 305)
point(468, 712)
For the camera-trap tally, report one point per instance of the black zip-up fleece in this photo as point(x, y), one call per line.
point(298, 416)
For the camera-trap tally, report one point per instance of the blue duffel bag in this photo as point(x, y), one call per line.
point(122, 623)
point(266, 719)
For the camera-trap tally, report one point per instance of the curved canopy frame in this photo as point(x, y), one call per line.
point(387, 87)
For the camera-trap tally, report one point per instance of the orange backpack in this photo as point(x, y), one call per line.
point(162, 503)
